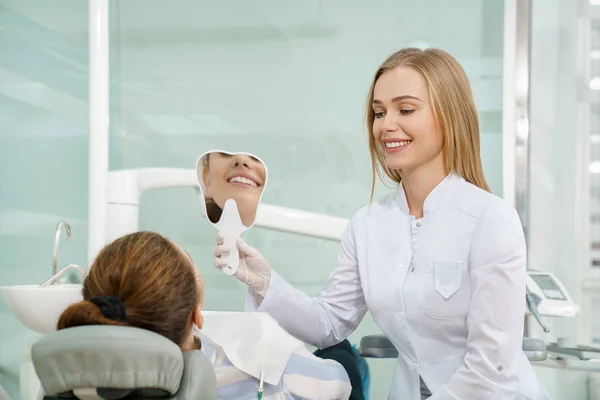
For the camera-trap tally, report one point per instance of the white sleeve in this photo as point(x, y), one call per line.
point(325, 320)
point(496, 314)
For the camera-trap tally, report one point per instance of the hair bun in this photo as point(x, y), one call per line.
point(112, 307)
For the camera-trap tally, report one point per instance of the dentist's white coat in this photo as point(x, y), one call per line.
point(447, 289)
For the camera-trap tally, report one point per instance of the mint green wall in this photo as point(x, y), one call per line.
point(43, 153)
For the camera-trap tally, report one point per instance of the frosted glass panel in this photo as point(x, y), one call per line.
point(43, 151)
point(287, 82)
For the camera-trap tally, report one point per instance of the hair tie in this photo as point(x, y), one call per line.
point(112, 307)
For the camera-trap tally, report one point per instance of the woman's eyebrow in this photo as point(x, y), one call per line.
point(395, 99)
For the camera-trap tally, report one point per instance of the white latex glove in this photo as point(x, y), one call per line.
point(254, 270)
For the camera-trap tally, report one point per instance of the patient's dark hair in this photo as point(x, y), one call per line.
point(151, 276)
point(213, 211)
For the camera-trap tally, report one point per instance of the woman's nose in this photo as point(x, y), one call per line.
point(389, 124)
point(241, 160)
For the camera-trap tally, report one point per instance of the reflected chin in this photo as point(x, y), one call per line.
point(243, 198)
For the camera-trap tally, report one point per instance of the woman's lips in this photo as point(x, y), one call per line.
point(396, 145)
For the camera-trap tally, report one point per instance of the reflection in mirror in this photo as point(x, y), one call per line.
point(238, 176)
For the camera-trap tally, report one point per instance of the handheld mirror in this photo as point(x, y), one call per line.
point(232, 185)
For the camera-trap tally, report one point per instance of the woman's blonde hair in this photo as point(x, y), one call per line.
point(453, 108)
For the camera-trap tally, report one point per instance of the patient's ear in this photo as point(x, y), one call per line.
point(197, 317)
point(206, 181)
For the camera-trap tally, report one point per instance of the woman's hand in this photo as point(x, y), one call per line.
point(254, 270)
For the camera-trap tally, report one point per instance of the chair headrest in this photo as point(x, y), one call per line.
point(117, 361)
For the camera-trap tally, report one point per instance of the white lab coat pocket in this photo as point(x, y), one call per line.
point(447, 276)
point(446, 291)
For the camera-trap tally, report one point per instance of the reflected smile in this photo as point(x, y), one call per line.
point(243, 180)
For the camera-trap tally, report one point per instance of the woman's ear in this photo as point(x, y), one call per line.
point(197, 317)
point(206, 181)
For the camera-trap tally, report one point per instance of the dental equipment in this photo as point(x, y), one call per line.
point(532, 307)
point(261, 386)
point(549, 296)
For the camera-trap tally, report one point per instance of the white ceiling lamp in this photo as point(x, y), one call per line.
point(595, 83)
point(594, 167)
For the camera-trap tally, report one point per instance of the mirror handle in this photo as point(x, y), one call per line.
point(234, 255)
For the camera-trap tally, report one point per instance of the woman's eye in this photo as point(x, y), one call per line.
point(406, 112)
point(225, 155)
point(379, 115)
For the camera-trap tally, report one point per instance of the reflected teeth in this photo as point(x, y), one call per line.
point(391, 145)
point(245, 181)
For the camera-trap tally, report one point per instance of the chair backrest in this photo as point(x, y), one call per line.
point(114, 362)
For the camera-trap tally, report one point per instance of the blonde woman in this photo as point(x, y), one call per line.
point(439, 263)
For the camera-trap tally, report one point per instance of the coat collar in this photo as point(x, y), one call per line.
point(440, 196)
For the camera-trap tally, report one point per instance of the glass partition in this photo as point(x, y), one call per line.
point(43, 152)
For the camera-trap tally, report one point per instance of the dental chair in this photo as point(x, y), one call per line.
point(114, 362)
point(379, 346)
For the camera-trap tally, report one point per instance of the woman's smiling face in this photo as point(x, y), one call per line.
point(235, 176)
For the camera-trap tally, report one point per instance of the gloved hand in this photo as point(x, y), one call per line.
point(254, 270)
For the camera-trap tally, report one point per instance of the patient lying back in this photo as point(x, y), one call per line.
point(144, 280)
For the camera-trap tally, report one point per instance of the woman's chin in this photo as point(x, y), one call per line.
point(396, 165)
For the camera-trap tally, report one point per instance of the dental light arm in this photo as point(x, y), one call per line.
point(126, 187)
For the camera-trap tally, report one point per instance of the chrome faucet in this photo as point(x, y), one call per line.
point(56, 274)
point(57, 243)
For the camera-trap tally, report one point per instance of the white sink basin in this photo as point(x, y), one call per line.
point(40, 308)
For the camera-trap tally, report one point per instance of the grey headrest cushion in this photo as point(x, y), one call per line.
point(107, 357)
